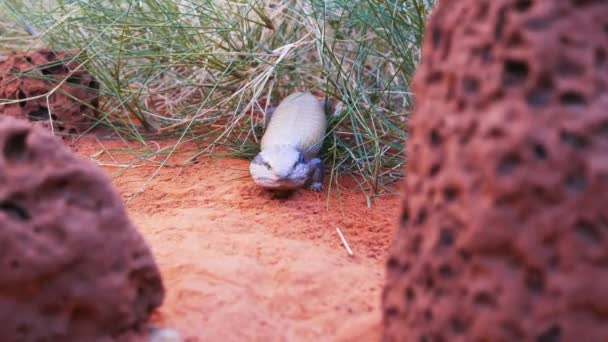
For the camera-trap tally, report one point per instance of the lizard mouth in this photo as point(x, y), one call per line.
point(280, 184)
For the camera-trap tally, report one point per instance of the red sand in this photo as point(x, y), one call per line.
point(240, 265)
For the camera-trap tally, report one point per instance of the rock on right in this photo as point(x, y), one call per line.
point(504, 228)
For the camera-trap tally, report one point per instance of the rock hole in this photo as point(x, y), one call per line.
point(81, 313)
point(428, 315)
point(468, 133)
point(446, 237)
point(23, 329)
point(538, 24)
point(485, 299)
point(53, 69)
point(15, 211)
point(429, 282)
point(535, 281)
point(421, 217)
point(568, 68)
point(506, 200)
point(435, 138)
point(546, 195)
point(513, 330)
point(539, 97)
point(434, 77)
point(540, 152)
point(571, 42)
point(391, 312)
point(552, 334)
point(500, 24)
point(573, 100)
point(436, 37)
point(15, 147)
point(553, 262)
point(483, 52)
point(458, 326)
point(581, 3)
point(28, 59)
point(50, 55)
point(576, 181)
point(523, 5)
point(38, 115)
point(136, 255)
point(93, 84)
point(461, 105)
point(600, 56)
point(482, 12)
point(435, 168)
point(508, 164)
point(446, 271)
point(515, 40)
point(72, 131)
point(410, 294)
point(53, 117)
point(14, 264)
point(576, 141)
point(602, 130)
point(588, 232)
point(496, 133)
point(465, 255)
point(515, 72)
point(470, 86)
point(73, 80)
point(392, 263)
point(51, 309)
point(405, 217)
point(514, 262)
point(57, 186)
point(21, 96)
point(451, 193)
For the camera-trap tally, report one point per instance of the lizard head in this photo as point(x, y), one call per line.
point(280, 168)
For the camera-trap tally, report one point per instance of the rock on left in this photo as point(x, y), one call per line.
point(72, 265)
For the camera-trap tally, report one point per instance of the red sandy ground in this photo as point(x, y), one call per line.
point(239, 265)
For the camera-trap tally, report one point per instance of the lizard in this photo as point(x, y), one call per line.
point(290, 144)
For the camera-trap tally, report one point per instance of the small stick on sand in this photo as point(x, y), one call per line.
point(350, 252)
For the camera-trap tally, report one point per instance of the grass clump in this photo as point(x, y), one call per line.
point(206, 70)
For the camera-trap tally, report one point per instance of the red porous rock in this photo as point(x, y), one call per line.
point(72, 266)
point(504, 228)
point(72, 106)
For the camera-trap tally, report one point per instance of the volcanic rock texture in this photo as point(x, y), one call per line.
point(504, 232)
point(72, 266)
point(73, 105)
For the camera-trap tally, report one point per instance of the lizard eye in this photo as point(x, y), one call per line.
point(259, 160)
point(299, 161)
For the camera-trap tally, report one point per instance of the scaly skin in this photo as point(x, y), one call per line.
point(290, 145)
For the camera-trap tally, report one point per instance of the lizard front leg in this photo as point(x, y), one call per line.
point(317, 172)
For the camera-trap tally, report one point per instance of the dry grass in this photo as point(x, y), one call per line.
point(207, 70)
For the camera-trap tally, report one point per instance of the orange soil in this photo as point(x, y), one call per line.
point(239, 265)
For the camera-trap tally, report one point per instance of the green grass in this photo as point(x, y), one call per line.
point(199, 70)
